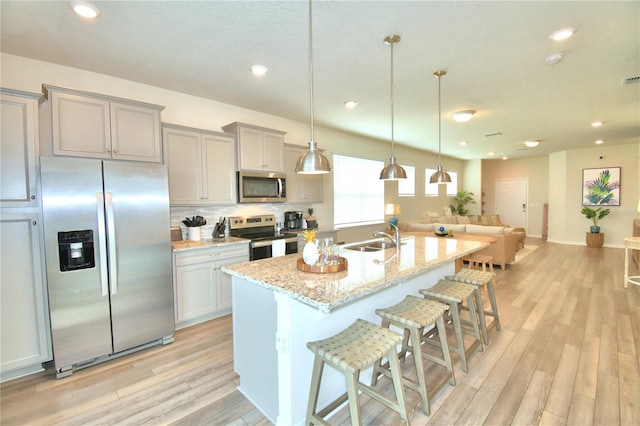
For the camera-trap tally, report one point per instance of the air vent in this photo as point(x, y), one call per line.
point(631, 80)
point(488, 135)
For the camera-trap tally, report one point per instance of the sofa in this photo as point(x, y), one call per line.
point(503, 250)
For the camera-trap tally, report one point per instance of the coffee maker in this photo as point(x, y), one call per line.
point(293, 220)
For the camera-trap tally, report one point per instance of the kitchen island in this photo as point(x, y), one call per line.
point(277, 309)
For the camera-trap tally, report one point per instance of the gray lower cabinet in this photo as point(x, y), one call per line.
point(201, 290)
point(24, 319)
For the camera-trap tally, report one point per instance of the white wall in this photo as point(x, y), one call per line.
point(565, 189)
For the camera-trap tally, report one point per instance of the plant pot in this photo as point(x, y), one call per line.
point(595, 239)
point(193, 233)
point(594, 229)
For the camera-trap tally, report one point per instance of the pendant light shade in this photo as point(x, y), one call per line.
point(392, 171)
point(440, 176)
point(312, 162)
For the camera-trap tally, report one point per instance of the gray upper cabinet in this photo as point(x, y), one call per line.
point(201, 165)
point(18, 148)
point(80, 124)
point(301, 188)
point(259, 148)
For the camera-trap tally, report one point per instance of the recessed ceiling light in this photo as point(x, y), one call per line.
point(562, 34)
point(531, 144)
point(492, 153)
point(599, 142)
point(350, 104)
point(505, 158)
point(463, 116)
point(464, 143)
point(259, 70)
point(554, 58)
point(596, 124)
point(85, 9)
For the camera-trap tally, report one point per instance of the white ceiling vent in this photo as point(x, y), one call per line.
point(488, 135)
point(631, 80)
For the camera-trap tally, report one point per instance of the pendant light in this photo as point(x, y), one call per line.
point(440, 176)
point(393, 170)
point(312, 162)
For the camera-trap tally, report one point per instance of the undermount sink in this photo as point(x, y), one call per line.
point(372, 246)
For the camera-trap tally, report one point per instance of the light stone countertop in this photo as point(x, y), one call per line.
point(418, 254)
point(184, 245)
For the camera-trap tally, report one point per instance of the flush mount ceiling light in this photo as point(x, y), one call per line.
point(463, 116)
point(85, 9)
point(562, 34)
point(259, 70)
point(312, 162)
point(464, 143)
point(596, 124)
point(392, 171)
point(440, 176)
point(531, 144)
point(350, 104)
point(599, 142)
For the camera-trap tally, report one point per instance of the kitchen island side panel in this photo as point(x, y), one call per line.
point(293, 325)
point(254, 345)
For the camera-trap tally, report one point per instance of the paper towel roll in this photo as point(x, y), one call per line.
point(278, 248)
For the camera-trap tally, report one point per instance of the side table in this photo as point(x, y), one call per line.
point(632, 243)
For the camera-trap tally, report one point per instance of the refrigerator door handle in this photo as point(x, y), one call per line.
point(104, 279)
point(111, 241)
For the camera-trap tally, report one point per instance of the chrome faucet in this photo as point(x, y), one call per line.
point(395, 240)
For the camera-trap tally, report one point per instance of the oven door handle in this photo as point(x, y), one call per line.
point(258, 244)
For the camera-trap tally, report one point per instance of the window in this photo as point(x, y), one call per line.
point(407, 187)
point(358, 193)
point(431, 189)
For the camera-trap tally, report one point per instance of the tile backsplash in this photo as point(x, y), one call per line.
point(213, 213)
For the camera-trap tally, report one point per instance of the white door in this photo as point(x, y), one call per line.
point(511, 201)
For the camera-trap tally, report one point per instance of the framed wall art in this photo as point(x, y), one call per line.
point(601, 187)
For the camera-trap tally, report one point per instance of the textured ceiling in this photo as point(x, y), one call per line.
point(494, 54)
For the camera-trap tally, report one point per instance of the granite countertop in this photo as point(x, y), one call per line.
point(185, 245)
point(418, 254)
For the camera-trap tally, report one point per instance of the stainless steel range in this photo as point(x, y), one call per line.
point(261, 230)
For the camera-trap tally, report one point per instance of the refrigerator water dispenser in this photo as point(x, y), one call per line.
point(75, 250)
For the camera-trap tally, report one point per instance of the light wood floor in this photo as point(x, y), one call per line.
point(568, 353)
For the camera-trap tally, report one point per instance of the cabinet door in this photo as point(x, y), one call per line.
point(218, 169)
point(182, 157)
point(273, 152)
point(224, 280)
point(24, 335)
point(250, 149)
point(18, 145)
point(195, 288)
point(135, 133)
point(80, 126)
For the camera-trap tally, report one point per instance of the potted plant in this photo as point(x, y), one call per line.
point(460, 200)
point(594, 215)
point(311, 219)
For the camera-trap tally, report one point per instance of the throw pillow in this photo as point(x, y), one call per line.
point(463, 219)
point(490, 220)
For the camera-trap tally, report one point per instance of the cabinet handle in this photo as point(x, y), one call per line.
point(108, 149)
point(34, 223)
point(115, 151)
point(33, 197)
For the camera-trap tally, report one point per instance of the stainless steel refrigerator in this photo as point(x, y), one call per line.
point(108, 257)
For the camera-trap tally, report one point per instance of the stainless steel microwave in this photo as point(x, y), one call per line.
point(261, 187)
